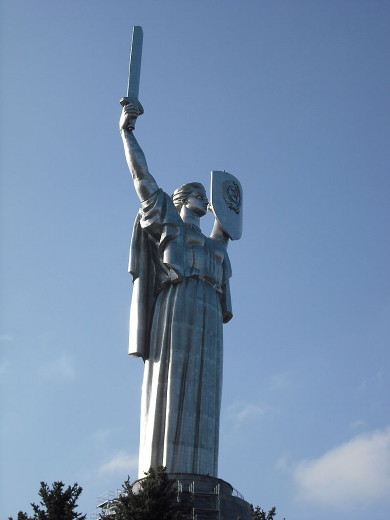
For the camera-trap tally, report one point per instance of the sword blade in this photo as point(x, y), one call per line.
point(135, 62)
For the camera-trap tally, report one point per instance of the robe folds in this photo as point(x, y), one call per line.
point(180, 300)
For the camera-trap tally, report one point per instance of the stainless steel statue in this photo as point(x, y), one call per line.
point(181, 299)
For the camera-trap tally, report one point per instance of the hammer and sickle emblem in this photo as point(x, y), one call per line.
point(232, 195)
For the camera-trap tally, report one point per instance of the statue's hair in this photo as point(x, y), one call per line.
point(180, 195)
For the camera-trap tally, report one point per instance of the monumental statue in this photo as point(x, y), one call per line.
point(181, 298)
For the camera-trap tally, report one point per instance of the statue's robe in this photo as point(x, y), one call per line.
point(180, 299)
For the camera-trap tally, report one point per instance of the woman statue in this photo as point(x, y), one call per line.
point(180, 301)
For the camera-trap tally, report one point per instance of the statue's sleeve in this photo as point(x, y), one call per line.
point(143, 271)
point(158, 215)
point(160, 219)
point(156, 252)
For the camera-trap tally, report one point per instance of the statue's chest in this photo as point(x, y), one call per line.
point(203, 255)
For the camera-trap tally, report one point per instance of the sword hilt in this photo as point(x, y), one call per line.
point(125, 101)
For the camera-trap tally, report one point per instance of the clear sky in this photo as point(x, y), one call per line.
point(293, 98)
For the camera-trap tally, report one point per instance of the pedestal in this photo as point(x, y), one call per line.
point(213, 498)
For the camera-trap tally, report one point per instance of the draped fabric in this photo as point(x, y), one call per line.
point(180, 300)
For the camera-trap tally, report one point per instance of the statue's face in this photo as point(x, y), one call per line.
point(197, 202)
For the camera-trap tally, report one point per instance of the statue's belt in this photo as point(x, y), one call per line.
point(206, 279)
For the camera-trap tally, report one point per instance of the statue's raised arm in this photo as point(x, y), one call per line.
point(180, 302)
point(144, 183)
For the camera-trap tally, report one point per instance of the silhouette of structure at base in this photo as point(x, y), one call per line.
point(212, 498)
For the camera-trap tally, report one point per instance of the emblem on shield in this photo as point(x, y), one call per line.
point(232, 195)
point(226, 202)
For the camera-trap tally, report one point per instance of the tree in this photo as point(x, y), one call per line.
point(22, 516)
point(155, 498)
point(258, 514)
point(56, 503)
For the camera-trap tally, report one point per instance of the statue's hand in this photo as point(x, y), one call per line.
point(132, 108)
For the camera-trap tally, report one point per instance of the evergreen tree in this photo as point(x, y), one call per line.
point(21, 516)
point(154, 499)
point(258, 514)
point(56, 503)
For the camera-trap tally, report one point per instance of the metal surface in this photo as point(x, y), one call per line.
point(181, 299)
point(226, 199)
point(134, 74)
point(135, 62)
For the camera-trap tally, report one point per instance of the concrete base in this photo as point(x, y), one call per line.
point(214, 499)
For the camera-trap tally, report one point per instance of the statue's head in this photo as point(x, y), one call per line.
point(193, 196)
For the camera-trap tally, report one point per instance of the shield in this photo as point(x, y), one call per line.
point(226, 202)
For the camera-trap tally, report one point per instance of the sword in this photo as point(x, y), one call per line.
point(134, 73)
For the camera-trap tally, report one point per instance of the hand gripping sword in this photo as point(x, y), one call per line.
point(134, 73)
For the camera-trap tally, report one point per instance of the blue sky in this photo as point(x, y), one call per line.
point(292, 97)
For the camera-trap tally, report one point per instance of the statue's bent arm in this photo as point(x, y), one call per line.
point(218, 233)
point(144, 183)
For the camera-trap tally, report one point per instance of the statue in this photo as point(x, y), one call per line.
point(181, 299)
